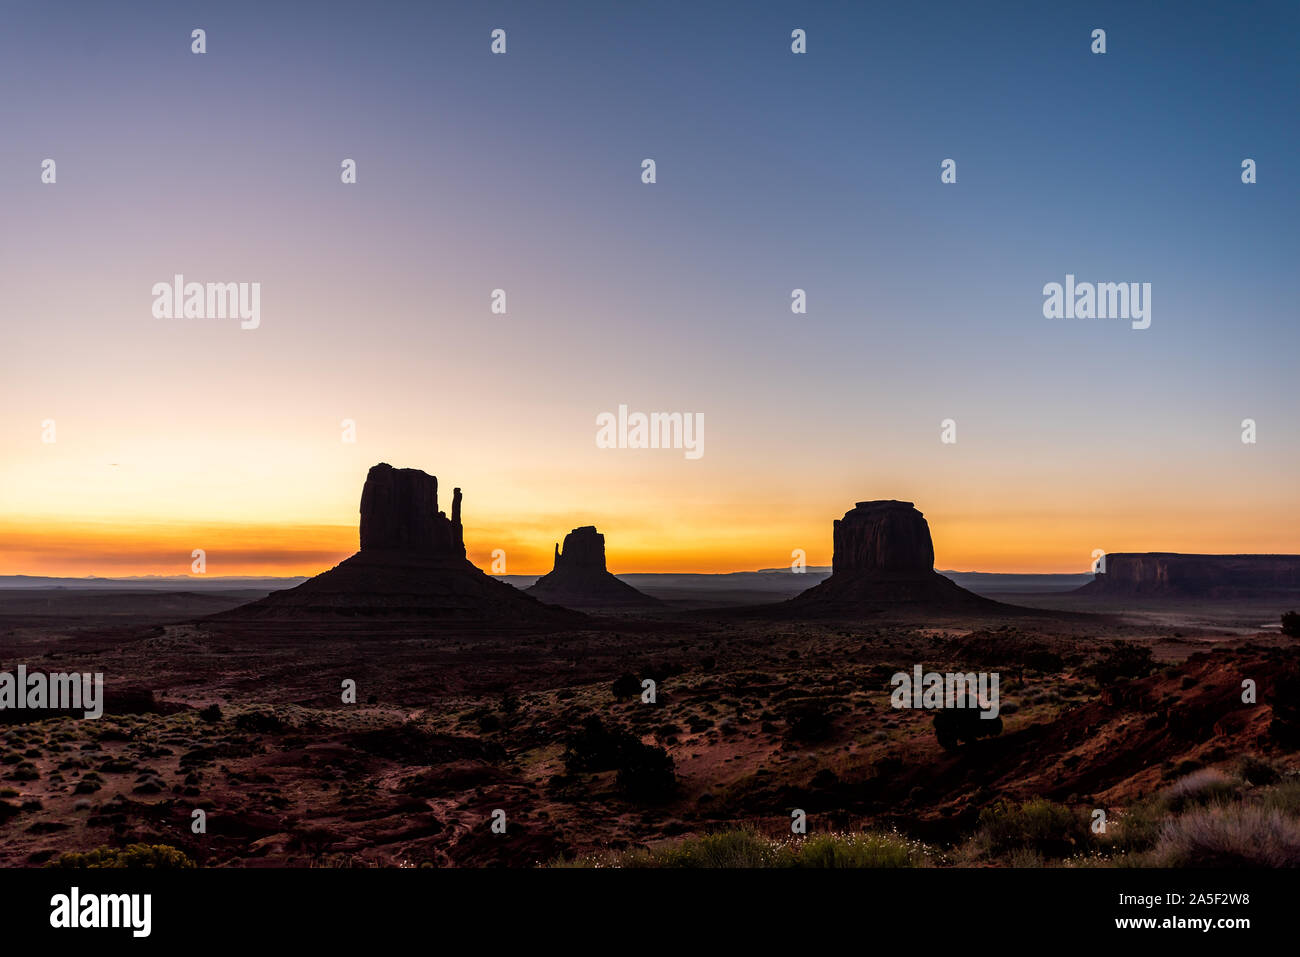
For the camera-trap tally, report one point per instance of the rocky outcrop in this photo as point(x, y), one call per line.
point(584, 549)
point(580, 578)
point(1174, 575)
point(411, 564)
point(883, 537)
point(883, 558)
point(399, 512)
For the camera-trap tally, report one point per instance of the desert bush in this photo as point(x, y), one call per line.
point(160, 856)
point(594, 747)
point(728, 849)
point(1206, 786)
point(1291, 624)
point(645, 772)
point(875, 850)
point(211, 714)
point(1123, 660)
point(118, 765)
point(1285, 798)
point(312, 841)
point(1253, 769)
point(626, 686)
point(749, 849)
point(1135, 829)
point(1232, 835)
point(1049, 829)
point(807, 721)
point(259, 722)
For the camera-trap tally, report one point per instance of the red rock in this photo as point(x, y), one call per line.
point(580, 578)
point(411, 564)
point(399, 512)
point(1169, 574)
point(884, 556)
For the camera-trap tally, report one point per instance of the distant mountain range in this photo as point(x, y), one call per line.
point(153, 582)
point(773, 583)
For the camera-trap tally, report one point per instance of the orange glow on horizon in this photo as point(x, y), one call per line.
point(987, 543)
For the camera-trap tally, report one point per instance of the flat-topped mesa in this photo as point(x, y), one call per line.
point(411, 565)
point(884, 536)
point(1177, 575)
point(580, 578)
point(583, 548)
point(884, 558)
point(399, 513)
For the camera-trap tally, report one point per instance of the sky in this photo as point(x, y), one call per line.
point(775, 171)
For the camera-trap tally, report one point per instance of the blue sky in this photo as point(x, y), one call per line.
point(775, 171)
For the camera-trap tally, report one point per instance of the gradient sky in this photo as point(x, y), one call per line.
point(522, 171)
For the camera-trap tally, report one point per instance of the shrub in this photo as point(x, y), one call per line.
point(161, 856)
point(259, 722)
point(749, 849)
point(1285, 798)
point(1233, 835)
point(211, 714)
point(626, 686)
point(727, 849)
point(1291, 624)
point(1121, 661)
point(859, 850)
point(1206, 786)
point(1039, 825)
point(593, 747)
point(1137, 828)
point(1256, 770)
point(808, 721)
point(645, 772)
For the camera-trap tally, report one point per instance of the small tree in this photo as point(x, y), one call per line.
point(626, 686)
point(1291, 624)
point(646, 773)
